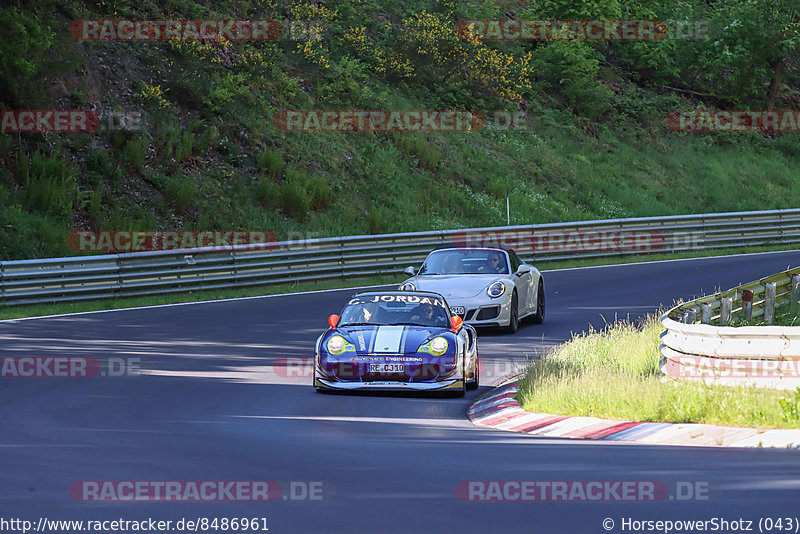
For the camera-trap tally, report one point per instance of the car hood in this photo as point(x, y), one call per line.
point(390, 339)
point(456, 285)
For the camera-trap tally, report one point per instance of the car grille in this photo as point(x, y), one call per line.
point(378, 377)
point(488, 313)
point(345, 371)
point(349, 372)
point(426, 371)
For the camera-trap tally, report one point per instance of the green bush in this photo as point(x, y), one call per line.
point(207, 139)
point(100, 169)
point(271, 162)
point(790, 406)
point(180, 191)
point(168, 134)
point(429, 156)
point(133, 153)
point(294, 200)
point(319, 191)
point(95, 202)
point(375, 220)
point(315, 187)
point(24, 40)
point(185, 147)
point(571, 69)
point(267, 192)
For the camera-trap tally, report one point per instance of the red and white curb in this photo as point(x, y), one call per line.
point(499, 410)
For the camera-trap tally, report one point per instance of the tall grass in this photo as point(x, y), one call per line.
point(180, 191)
point(614, 374)
point(48, 184)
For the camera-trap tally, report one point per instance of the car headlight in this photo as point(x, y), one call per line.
point(408, 286)
point(496, 290)
point(338, 345)
point(437, 346)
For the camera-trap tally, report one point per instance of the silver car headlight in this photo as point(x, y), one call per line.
point(408, 286)
point(496, 289)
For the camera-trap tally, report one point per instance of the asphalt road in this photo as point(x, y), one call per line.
point(220, 400)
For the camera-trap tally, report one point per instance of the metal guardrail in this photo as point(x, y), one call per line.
point(698, 344)
point(177, 271)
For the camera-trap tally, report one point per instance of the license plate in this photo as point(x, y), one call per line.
point(385, 368)
point(458, 310)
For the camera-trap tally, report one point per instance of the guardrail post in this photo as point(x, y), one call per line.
point(341, 259)
point(705, 313)
point(795, 292)
point(691, 316)
point(725, 305)
point(769, 302)
point(234, 266)
point(747, 304)
point(120, 285)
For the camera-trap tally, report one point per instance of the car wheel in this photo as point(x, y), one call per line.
point(513, 323)
point(476, 383)
point(538, 318)
point(314, 382)
point(463, 390)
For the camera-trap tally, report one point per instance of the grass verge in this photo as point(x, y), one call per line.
point(614, 374)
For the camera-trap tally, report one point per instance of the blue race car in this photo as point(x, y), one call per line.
point(397, 340)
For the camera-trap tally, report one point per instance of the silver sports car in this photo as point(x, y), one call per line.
point(488, 286)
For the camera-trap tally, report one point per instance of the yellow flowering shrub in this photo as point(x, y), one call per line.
point(154, 93)
point(431, 39)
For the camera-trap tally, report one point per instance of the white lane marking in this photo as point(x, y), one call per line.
point(670, 261)
point(387, 339)
point(455, 423)
point(232, 299)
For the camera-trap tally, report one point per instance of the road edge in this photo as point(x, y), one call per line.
point(499, 410)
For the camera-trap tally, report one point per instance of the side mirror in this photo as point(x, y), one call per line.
point(456, 322)
point(409, 271)
point(333, 320)
point(523, 269)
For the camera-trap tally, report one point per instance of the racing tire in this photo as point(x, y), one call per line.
point(538, 317)
point(314, 381)
point(513, 322)
point(463, 390)
point(476, 383)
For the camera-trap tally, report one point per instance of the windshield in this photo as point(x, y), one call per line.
point(454, 261)
point(395, 310)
